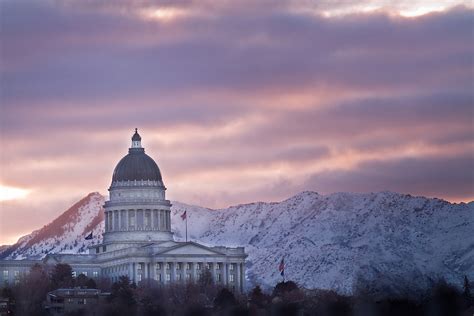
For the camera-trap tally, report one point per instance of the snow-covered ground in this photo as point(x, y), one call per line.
point(336, 241)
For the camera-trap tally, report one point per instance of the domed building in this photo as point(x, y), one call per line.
point(138, 241)
point(137, 210)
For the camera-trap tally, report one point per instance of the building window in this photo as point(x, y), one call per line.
point(188, 276)
point(199, 266)
point(188, 266)
point(158, 266)
point(208, 266)
point(82, 301)
point(139, 277)
point(178, 266)
point(178, 277)
point(84, 272)
point(74, 274)
point(231, 278)
point(218, 277)
point(104, 248)
point(16, 274)
point(97, 250)
point(5, 274)
point(168, 266)
point(95, 274)
point(168, 277)
point(231, 267)
point(218, 267)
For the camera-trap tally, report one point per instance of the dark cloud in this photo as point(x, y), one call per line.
point(452, 177)
point(93, 55)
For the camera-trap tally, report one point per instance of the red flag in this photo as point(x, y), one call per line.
point(183, 216)
point(281, 268)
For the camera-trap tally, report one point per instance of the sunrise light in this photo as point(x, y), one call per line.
point(11, 193)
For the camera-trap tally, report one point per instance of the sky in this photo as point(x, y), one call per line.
point(237, 101)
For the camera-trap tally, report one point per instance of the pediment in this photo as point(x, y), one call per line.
point(190, 248)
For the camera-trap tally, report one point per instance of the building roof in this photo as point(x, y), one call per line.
point(136, 165)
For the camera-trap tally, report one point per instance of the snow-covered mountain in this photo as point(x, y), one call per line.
point(65, 234)
point(338, 241)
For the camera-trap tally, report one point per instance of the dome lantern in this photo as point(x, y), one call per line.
point(136, 140)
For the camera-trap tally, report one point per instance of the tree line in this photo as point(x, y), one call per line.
point(205, 297)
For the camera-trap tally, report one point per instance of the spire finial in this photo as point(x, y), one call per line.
point(136, 130)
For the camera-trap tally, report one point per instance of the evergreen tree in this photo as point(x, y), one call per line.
point(62, 276)
point(122, 292)
point(224, 298)
point(90, 284)
point(81, 281)
point(31, 292)
point(284, 287)
point(257, 297)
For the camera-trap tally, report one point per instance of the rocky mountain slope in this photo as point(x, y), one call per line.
point(65, 234)
point(341, 241)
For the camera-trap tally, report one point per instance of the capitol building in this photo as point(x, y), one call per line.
point(138, 241)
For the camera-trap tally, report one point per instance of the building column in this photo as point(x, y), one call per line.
point(119, 212)
point(237, 281)
point(145, 268)
point(213, 272)
point(224, 274)
point(152, 220)
point(126, 220)
point(242, 275)
point(134, 273)
point(135, 217)
point(112, 213)
point(158, 220)
point(130, 272)
point(173, 272)
point(168, 220)
point(153, 270)
point(106, 222)
point(193, 271)
point(137, 264)
point(163, 271)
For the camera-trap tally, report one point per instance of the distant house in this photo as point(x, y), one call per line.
point(62, 301)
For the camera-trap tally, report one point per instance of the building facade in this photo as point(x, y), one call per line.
point(138, 241)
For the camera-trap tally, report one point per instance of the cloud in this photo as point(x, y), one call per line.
point(237, 101)
point(451, 176)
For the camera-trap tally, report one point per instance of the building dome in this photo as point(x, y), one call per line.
point(136, 165)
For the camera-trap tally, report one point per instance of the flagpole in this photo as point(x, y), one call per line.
point(186, 227)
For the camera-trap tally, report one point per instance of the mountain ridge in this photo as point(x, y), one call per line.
point(337, 241)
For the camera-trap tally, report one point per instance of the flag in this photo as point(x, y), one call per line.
point(89, 237)
point(183, 216)
point(281, 268)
